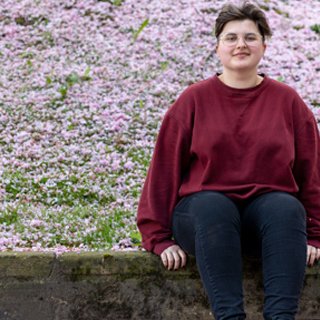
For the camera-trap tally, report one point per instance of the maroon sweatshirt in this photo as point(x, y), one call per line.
point(241, 142)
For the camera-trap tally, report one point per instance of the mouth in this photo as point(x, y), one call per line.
point(241, 54)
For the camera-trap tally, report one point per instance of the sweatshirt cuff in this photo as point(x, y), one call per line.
point(160, 247)
point(314, 243)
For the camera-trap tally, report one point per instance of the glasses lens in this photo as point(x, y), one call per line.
point(231, 39)
point(251, 39)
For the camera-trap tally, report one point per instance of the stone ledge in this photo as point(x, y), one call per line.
point(122, 285)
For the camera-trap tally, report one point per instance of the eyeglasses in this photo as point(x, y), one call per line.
point(251, 39)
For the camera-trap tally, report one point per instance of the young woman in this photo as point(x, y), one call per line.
point(236, 168)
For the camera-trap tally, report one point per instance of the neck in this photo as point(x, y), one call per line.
point(240, 81)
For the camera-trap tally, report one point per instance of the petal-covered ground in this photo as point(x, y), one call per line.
point(84, 85)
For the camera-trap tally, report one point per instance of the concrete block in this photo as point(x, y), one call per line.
point(123, 285)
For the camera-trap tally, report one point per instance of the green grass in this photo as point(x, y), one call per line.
point(81, 225)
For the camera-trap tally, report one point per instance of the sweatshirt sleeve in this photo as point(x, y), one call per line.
point(307, 175)
point(159, 196)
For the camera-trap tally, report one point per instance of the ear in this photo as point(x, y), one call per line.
point(264, 48)
point(217, 50)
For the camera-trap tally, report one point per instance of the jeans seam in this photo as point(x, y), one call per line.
point(206, 262)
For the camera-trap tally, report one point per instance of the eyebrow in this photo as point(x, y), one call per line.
point(231, 32)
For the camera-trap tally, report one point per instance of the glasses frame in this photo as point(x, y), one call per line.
point(243, 38)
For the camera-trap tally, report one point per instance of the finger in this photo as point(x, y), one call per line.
point(183, 257)
point(177, 260)
point(164, 259)
point(318, 254)
point(309, 248)
point(312, 256)
point(170, 260)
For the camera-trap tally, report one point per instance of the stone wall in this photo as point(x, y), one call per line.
point(122, 285)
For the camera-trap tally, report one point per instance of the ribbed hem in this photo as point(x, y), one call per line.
point(159, 247)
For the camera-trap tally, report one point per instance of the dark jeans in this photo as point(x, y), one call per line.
point(210, 226)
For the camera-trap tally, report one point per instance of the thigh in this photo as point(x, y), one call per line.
point(209, 211)
point(278, 209)
point(276, 222)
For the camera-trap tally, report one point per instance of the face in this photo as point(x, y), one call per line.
point(241, 56)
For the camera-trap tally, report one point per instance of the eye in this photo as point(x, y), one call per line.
point(251, 37)
point(230, 37)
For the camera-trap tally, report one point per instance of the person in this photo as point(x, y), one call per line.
point(235, 170)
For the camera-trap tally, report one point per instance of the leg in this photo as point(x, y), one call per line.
point(278, 221)
point(207, 224)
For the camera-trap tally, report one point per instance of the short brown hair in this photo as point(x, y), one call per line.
point(247, 11)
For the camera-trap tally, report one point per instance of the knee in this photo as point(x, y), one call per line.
point(287, 207)
point(215, 207)
point(217, 219)
point(283, 209)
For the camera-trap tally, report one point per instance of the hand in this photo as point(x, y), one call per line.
point(313, 254)
point(174, 257)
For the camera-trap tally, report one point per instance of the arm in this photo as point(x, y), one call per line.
point(307, 174)
point(159, 196)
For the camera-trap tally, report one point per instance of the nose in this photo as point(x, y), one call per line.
point(241, 42)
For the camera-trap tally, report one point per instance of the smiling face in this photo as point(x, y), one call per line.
point(241, 56)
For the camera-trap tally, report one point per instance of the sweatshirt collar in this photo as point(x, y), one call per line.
point(242, 92)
